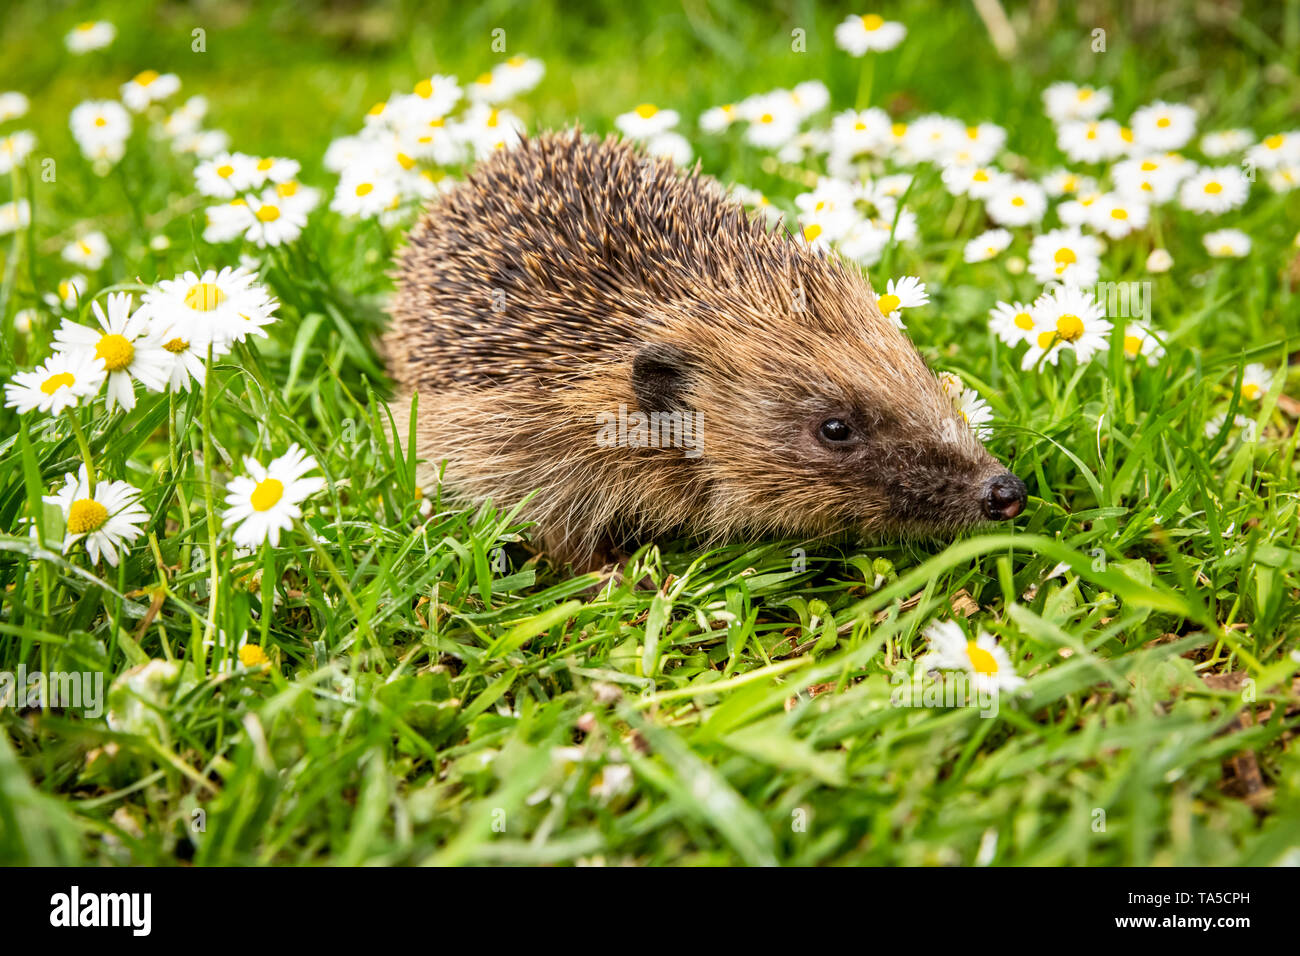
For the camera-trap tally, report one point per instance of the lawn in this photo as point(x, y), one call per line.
point(400, 677)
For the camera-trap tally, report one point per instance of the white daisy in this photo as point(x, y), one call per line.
point(274, 222)
point(227, 221)
point(855, 132)
point(1224, 142)
point(1064, 182)
point(986, 245)
point(1148, 179)
point(91, 35)
point(1216, 190)
point(718, 118)
point(186, 118)
point(101, 128)
point(14, 216)
point(13, 105)
point(62, 382)
point(1066, 318)
point(978, 182)
point(1066, 101)
point(1078, 211)
point(1012, 322)
point(203, 144)
point(1284, 178)
point(858, 34)
point(364, 194)
point(1017, 203)
point(1161, 126)
point(519, 74)
point(1159, 261)
point(148, 87)
point(645, 121)
point(1093, 141)
point(1067, 256)
point(103, 520)
point(437, 95)
point(274, 169)
point(1140, 343)
point(986, 661)
point(772, 120)
point(226, 175)
point(90, 251)
point(125, 343)
point(1275, 150)
point(1117, 216)
point(218, 307)
point(1255, 382)
point(67, 293)
point(266, 501)
point(1226, 243)
point(14, 150)
point(485, 129)
point(489, 89)
point(905, 293)
point(934, 137)
point(968, 405)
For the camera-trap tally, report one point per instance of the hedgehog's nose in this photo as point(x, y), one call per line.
point(1004, 497)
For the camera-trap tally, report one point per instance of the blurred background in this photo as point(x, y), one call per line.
point(263, 61)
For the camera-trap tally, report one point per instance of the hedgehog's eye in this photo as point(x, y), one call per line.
point(836, 431)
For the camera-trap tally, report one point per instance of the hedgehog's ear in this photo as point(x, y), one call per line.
point(660, 375)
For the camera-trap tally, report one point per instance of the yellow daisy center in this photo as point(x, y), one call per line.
point(1069, 184)
point(646, 110)
point(484, 79)
point(980, 176)
point(176, 345)
point(1274, 142)
point(1024, 321)
point(250, 655)
point(377, 109)
point(100, 121)
point(1250, 391)
point(285, 190)
point(58, 381)
point(1018, 201)
point(86, 27)
point(1092, 131)
point(1164, 122)
point(889, 303)
point(1119, 214)
point(766, 118)
point(493, 119)
point(116, 351)
point(146, 78)
point(225, 171)
point(266, 494)
point(264, 164)
point(1213, 188)
point(364, 189)
point(204, 297)
point(1065, 257)
point(1069, 327)
point(268, 213)
point(1148, 166)
point(872, 22)
point(424, 89)
point(1132, 345)
point(981, 661)
point(1084, 94)
point(810, 233)
point(1126, 134)
point(86, 515)
point(406, 162)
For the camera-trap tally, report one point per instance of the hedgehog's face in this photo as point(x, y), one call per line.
point(818, 439)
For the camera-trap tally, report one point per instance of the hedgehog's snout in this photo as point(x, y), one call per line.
point(1004, 497)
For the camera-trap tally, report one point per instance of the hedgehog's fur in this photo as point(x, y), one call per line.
point(568, 276)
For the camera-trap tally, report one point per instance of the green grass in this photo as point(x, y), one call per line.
point(425, 705)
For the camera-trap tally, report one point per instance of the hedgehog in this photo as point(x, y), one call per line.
point(616, 344)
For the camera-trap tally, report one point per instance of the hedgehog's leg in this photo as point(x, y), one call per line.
point(582, 557)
